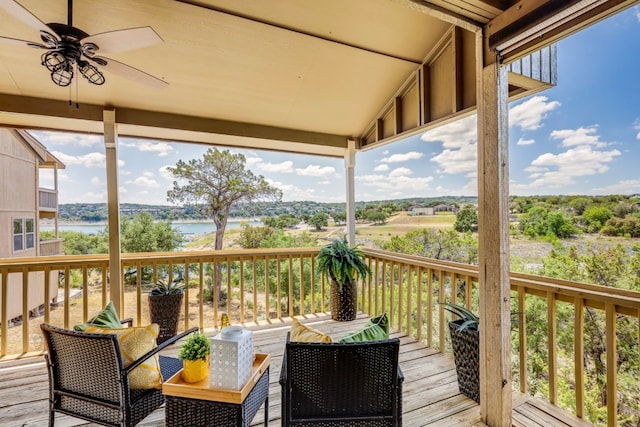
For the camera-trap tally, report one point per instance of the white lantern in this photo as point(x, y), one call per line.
point(231, 358)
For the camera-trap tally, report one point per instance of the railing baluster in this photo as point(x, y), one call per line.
point(551, 344)
point(290, 262)
point(139, 279)
point(441, 320)
point(25, 310)
point(186, 294)
point(67, 278)
point(47, 294)
point(255, 288)
point(242, 319)
point(201, 296)
point(419, 305)
point(279, 290)
point(522, 337)
point(384, 286)
point(267, 291)
point(85, 293)
point(302, 308)
point(579, 354)
point(4, 340)
point(430, 307)
point(409, 297)
point(612, 365)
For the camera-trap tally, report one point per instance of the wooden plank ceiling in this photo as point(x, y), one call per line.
point(291, 75)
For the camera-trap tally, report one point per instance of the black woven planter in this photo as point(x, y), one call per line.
point(344, 304)
point(165, 311)
point(466, 352)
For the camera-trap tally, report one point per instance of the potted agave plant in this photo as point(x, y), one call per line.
point(165, 302)
point(342, 263)
point(194, 354)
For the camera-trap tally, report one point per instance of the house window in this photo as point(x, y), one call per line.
point(24, 234)
point(18, 234)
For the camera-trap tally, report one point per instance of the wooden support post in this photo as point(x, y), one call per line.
point(493, 202)
point(349, 166)
point(116, 291)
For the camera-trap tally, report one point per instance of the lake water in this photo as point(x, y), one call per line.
point(186, 228)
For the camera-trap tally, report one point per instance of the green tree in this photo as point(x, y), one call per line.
point(447, 245)
point(142, 234)
point(319, 220)
point(466, 219)
point(213, 184)
point(340, 217)
point(216, 182)
point(595, 217)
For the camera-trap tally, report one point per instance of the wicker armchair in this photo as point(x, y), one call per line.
point(342, 384)
point(87, 378)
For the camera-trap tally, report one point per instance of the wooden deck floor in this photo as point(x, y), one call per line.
point(430, 390)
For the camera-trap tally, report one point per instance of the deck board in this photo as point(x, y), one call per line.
point(430, 389)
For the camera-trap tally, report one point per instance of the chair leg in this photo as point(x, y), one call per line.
point(266, 411)
point(52, 418)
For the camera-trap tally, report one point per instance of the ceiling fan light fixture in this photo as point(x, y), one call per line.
point(63, 75)
point(54, 60)
point(91, 73)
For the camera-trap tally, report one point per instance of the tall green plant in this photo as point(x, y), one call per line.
point(342, 262)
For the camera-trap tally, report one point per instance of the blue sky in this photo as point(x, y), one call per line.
point(579, 137)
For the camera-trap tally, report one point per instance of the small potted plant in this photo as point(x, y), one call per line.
point(194, 354)
point(465, 342)
point(165, 302)
point(342, 263)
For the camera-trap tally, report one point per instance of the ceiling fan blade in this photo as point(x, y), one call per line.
point(14, 8)
point(122, 40)
point(9, 40)
point(129, 72)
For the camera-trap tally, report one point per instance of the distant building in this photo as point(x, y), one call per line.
point(444, 207)
point(22, 204)
point(419, 210)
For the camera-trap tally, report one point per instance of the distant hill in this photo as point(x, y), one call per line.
point(97, 212)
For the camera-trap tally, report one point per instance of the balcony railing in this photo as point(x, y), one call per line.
point(47, 199)
point(51, 247)
point(263, 286)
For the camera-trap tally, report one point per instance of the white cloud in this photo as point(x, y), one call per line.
point(325, 182)
point(529, 114)
point(253, 160)
point(60, 138)
point(459, 140)
point(637, 125)
point(381, 168)
point(146, 181)
point(628, 186)
point(578, 137)
point(396, 158)
point(89, 160)
point(400, 172)
point(292, 192)
point(316, 170)
point(523, 141)
point(96, 181)
point(161, 148)
point(164, 172)
point(636, 9)
point(283, 167)
point(401, 184)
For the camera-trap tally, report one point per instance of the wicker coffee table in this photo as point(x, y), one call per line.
point(198, 404)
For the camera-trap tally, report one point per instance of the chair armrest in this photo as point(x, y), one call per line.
point(128, 321)
point(159, 348)
point(400, 375)
point(283, 370)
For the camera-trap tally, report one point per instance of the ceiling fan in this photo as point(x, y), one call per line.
point(70, 50)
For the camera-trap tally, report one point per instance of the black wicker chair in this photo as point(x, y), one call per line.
point(87, 378)
point(352, 384)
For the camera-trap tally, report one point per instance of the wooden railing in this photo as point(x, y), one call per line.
point(264, 286)
point(410, 288)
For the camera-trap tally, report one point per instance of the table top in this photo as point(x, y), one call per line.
point(202, 390)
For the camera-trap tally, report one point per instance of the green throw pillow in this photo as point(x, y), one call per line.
point(377, 328)
point(107, 318)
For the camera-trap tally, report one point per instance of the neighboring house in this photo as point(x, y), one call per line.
point(419, 210)
point(443, 207)
point(22, 204)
